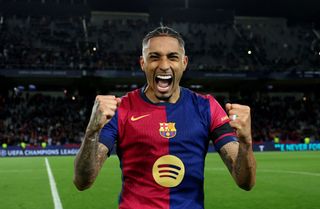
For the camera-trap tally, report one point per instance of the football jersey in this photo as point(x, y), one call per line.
point(162, 148)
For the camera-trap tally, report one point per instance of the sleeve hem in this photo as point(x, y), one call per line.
point(225, 140)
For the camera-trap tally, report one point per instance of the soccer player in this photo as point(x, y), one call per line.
point(162, 132)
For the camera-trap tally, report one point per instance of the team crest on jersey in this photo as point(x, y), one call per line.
point(168, 130)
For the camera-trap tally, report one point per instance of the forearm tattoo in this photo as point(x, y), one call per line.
point(89, 161)
point(228, 155)
point(240, 161)
point(238, 166)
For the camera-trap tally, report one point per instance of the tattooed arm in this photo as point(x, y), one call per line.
point(238, 156)
point(241, 163)
point(89, 161)
point(92, 153)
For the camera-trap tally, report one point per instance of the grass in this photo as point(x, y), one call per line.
point(288, 180)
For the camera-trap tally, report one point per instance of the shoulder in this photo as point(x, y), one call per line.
point(130, 98)
point(196, 95)
point(208, 101)
point(198, 102)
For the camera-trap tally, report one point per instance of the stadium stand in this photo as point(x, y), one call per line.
point(112, 42)
point(37, 118)
point(250, 44)
point(60, 120)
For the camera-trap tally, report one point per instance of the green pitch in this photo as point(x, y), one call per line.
point(284, 181)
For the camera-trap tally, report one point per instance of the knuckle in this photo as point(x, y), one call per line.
point(231, 111)
point(98, 97)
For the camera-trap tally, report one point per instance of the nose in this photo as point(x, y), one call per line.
point(164, 64)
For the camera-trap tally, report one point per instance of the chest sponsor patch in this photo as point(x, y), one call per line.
point(168, 171)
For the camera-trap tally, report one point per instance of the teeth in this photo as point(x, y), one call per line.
point(164, 77)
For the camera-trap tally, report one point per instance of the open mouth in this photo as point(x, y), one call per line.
point(163, 82)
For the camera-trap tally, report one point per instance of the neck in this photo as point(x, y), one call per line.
point(154, 99)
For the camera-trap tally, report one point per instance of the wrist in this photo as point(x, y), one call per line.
point(92, 135)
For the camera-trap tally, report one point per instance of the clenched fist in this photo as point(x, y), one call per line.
point(103, 110)
point(240, 120)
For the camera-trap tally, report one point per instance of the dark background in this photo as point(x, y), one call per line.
point(298, 10)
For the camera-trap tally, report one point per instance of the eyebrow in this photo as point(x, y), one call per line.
point(159, 54)
point(173, 54)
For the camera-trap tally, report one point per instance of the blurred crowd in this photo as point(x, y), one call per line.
point(38, 118)
point(80, 43)
point(60, 120)
point(291, 119)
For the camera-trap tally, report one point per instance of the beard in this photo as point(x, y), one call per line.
point(163, 98)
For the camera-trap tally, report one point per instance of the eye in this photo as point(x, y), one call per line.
point(174, 58)
point(153, 57)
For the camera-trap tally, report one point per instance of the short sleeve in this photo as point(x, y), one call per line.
point(221, 132)
point(109, 133)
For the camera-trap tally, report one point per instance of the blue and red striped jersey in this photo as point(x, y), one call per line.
point(162, 148)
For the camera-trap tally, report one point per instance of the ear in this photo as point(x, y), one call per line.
point(141, 63)
point(185, 62)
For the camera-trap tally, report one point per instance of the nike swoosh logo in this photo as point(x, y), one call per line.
point(138, 118)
